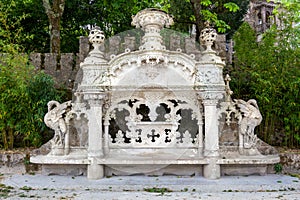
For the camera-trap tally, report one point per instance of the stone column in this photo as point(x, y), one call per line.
point(200, 138)
point(211, 128)
point(95, 136)
point(211, 141)
point(211, 87)
point(67, 141)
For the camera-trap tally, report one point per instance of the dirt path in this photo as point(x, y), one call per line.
point(142, 187)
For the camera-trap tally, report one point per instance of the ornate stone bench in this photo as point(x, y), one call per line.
point(154, 111)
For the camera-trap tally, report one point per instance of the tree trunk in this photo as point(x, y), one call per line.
point(54, 13)
point(11, 138)
point(199, 22)
point(4, 139)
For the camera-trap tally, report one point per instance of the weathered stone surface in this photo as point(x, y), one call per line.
point(114, 45)
point(36, 60)
point(290, 162)
point(84, 48)
point(244, 170)
point(130, 43)
point(174, 42)
point(50, 64)
point(220, 46)
point(64, 170)
point(190, 46)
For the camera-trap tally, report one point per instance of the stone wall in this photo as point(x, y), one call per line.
point(290, 162)
point(12, 162)
point(64, 67)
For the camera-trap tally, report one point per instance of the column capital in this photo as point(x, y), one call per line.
point(210, 102)
point(95, 98)
point(210, 97)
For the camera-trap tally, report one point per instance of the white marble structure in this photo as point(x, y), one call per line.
point(155, 111)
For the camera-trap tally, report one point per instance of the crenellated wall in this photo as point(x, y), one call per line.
point(65, 67)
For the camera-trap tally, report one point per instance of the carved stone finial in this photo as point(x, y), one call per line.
point(152, 21)
point(96, 38)
point(207, 37)
point(229, 92)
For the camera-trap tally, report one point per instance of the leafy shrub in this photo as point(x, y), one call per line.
point(269, 72)
point(24, 94)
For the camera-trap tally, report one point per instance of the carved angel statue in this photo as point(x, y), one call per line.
point(56, 120)
point(251, 118)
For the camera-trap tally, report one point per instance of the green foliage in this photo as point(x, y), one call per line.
point(12, 32)
point(225, 15)
point(232, 7)
point(112, 16)
point(23, 91)
point(278, 168)
point(40, 89)
point(269, 72)
point(23, 96)
point(157, 190)
point(211, 10)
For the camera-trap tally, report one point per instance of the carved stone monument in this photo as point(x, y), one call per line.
point(154, 111)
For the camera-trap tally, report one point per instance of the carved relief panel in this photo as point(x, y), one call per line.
point(153, 119)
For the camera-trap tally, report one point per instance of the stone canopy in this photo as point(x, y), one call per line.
point(154, 111)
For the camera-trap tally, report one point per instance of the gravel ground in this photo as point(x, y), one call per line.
point(142, 187)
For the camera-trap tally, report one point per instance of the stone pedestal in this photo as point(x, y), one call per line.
point(212, 170)
point(95, 171)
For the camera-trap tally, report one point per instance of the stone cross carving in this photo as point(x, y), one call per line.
point(229, 92)
point(153, 135)
point(228, 107)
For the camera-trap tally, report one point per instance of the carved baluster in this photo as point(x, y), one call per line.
point(200, 137)
point(106, 136)
point(69, 116)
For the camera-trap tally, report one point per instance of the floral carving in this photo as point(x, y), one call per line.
point(210, 76)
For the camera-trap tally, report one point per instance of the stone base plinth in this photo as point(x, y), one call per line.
point(64, 170)
point(154, 170)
